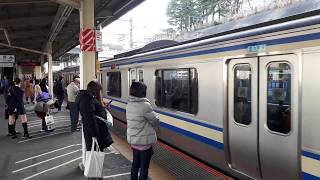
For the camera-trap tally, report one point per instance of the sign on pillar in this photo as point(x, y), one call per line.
point(87, 40)
point(99, 41)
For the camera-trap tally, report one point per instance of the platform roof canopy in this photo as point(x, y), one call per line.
point(33, 23)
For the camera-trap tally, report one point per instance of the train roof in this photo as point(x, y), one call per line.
point(263, 19)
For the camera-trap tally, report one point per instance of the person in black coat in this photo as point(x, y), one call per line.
point(59, 92)
point(16, 108)
point(6, 113)
point(90, 105)
point(43, 85)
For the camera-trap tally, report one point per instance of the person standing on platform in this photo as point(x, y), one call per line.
point(16, 108)
point(90, 105)
point(4, 82)
point(32, 90)
point(37, 90)
point(142, 123)
point(43, 85)
point(72, 92)
point(6, 113)
point(59, 92)
point(27, 90)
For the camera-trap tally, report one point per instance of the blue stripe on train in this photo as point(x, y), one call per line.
point(205, 140)
point(311, 155)
point(191, 121)
point(117, 108)
point(172, 115)
point(306, 176)
point(197, 137)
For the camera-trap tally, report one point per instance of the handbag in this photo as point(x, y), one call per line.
point(49, 121)
point(108, 121)
point(94, 161)
point(105, 138)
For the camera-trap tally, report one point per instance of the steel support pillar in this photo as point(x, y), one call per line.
point(50, 73)
point(87, 59)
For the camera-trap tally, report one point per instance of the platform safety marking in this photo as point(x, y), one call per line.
point(55, 121)
point(27, 140)
point(47, 170)
point(41, 162)
point(40, 121)
point(57, 128)
point(33, 157)
point(117, 175)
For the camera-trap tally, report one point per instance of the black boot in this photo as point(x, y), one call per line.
point(14, 127)
point(25, 128)
point(9, 130)
point(12, 131)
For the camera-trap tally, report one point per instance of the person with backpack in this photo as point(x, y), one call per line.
point(42, 108)
point(16, 108)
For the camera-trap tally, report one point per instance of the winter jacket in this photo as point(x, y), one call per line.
point(141, 122)
point(59, 90)
point(15, 100)
point(72, 91)
point(89, 108)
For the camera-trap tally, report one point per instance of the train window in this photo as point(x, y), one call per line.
point(133, 75)
point(177, 89)
point(140, 75)
point(279, 97)
point(242, 94)
point(114, 84)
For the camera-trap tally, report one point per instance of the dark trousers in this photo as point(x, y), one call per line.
point(141, 160)
point(74, 114)
point(42, 116)
point(60, 101)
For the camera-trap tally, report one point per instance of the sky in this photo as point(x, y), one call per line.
point(147, 19)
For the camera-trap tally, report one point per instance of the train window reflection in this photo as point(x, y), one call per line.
point(114, 84)
point(279, 97)
point(242, 94)
point(177, 89)
point(140, 75)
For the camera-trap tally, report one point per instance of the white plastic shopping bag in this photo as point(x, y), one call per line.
point(94, 161)
point(49, 122)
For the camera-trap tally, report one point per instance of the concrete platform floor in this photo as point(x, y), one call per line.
point(56, 155)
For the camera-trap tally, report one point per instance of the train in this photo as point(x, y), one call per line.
point(243, 100)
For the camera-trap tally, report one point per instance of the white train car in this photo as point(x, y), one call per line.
point(245, 101)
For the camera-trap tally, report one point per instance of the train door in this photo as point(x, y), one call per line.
point(243, 116)
point(263, 116)
point(279, 117)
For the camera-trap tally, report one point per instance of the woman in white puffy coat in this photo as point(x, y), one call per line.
point(141, 129)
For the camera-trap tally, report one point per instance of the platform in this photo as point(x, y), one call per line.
point(56, 155)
